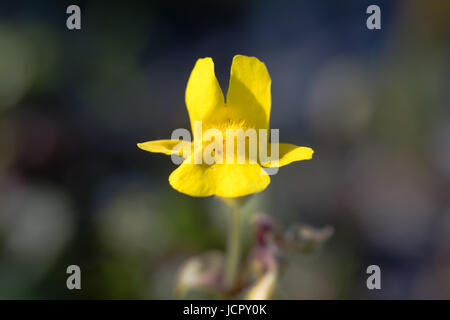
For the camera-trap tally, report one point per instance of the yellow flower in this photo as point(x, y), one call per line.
point(247, 106)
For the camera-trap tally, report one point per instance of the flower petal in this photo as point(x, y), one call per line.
point(203, 93)
point(224, 180)
point(249, 90)
point(165, 146)
point(288, 153)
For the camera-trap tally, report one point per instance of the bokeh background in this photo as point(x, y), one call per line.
point(75, 189)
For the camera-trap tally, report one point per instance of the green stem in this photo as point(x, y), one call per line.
point(233, 248)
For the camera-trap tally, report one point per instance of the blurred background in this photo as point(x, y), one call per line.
point(75, 189)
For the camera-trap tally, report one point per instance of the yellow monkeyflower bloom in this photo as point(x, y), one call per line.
point(247, 106)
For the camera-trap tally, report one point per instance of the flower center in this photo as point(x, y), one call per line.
point(230, 141)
